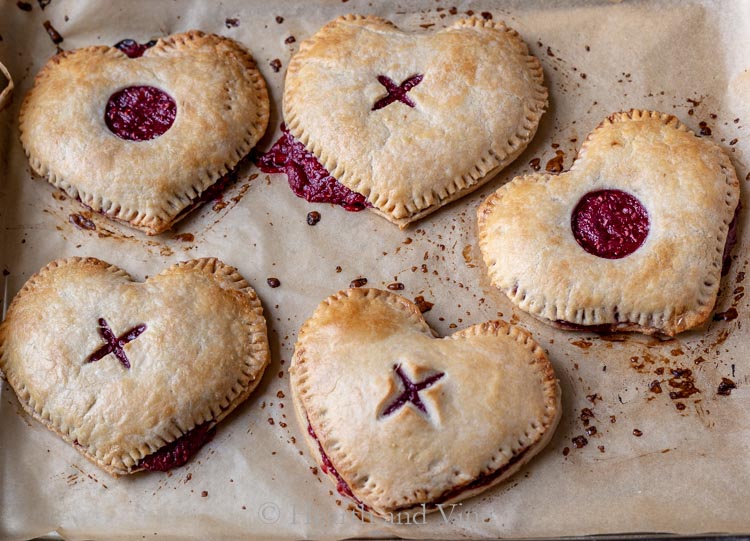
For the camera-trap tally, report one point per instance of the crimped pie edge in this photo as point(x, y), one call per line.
point(538, 435)
point(653, 323)
point(173, 204)
point(226, 276)
point(496, 159)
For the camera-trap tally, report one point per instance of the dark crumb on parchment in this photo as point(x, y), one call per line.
point(423, 305)
point(555, 165)
point(81, 222)
point(704, 128)
point(586, 416)
point(580, 441)
point(725, 387)
point(53, 34)
point(313, 217)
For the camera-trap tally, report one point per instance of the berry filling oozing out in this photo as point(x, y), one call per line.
point(177, 453)
point(327, 466)
point(307, 177)
point(132, 48)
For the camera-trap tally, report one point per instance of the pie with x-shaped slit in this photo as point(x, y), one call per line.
point(632, 238)
point(401, 419)
point(135, 375)
point(141, 133)
point(405, 122)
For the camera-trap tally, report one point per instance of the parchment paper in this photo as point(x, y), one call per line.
point(6, 87)
point(689, 470)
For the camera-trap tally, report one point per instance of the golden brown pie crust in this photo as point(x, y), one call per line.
point(690, 190)
point(495, 407)
point(222, 111)
point(476, 109)
point(203, 351)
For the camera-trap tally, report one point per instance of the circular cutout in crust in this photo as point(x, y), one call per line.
point(609, 223)
point(665, 287)
point(140, 113)
point(222, 105)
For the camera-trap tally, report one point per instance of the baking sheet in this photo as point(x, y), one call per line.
point(687, 473)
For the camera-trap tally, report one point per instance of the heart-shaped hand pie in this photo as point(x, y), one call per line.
point(400, 419)
point(413, 121)
point(6, 87)
point(632, 238)
point(134, 375)
point(141, 137)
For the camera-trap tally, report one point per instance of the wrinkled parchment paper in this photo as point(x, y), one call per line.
point(6, 87)
point(687, 472)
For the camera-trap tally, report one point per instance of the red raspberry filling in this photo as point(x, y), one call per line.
point(307, 177)
point(132, 48)
point(178, 452)
point(484, 479)
point(411, 391)
point(397, 92)
point(726, 256)
point(140, 113)
point(610, 224)
point(327, 466)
